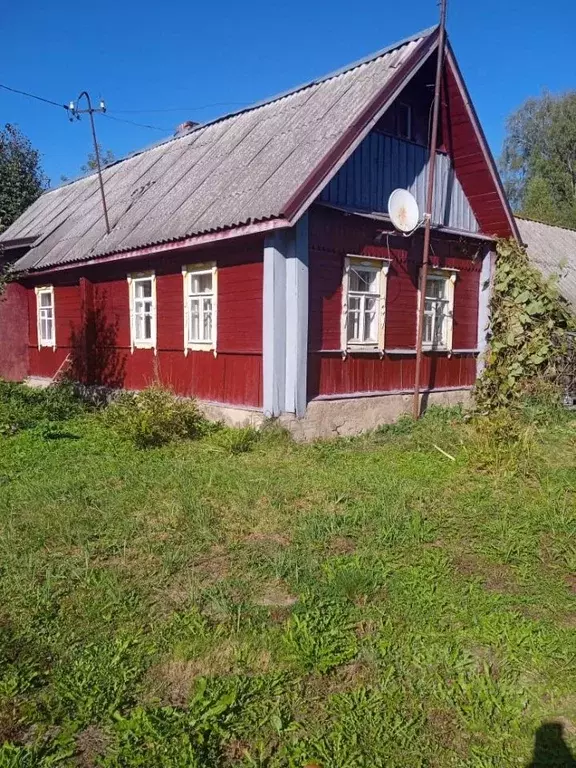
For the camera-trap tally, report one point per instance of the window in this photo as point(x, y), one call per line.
point(438, 310)
point(143, 309)
point(404, 121)
point(363, 306)
point(200, 306)
point(45, 316)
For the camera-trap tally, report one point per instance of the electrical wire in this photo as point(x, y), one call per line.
point(180, 109)
point(33, 96)
point(67, 108)
point(139, 125)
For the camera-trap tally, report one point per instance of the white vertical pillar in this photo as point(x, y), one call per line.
point(274, 323)
point(297, 319)
point(285, 321)
point(484, 296)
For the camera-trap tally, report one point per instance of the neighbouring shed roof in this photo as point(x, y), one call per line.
point(242, 168)
point(553, 250)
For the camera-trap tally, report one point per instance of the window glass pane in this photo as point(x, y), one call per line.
point(45, 299)
point(143, 288)
point(354, 318)
point(365, 280)
point(427, 330)
point(194, 320)
point(139, 326)
point(439, 329)
point(436, 288)
point(207, 320)
point(370, 320)
point(148, 327)
point(201, 283)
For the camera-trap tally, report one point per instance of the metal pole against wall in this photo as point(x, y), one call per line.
point(429, 205)
point(90, 111)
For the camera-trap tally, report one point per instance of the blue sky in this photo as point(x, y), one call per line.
point(143, 57)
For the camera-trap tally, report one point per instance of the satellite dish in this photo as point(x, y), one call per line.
point(403, 210)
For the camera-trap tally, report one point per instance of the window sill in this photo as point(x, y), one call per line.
point(363, 350)
point(143, 345)
point(198, 346)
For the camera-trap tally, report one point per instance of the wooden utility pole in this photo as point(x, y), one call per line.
point(429, 204)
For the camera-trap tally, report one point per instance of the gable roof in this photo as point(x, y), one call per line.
point(252, 170)
point(553, 251)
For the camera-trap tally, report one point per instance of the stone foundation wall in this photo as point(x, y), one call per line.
point(350, 416)
point(340, 417)
point(231, 416)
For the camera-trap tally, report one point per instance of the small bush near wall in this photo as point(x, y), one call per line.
point(154, 417)
point(23, 407)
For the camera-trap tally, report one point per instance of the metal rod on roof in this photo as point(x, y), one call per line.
point(90, 111)
point(429, 206)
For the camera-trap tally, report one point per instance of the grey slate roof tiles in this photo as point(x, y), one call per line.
point(240, 168)
point(553, 251)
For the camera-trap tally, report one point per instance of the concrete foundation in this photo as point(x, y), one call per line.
point(230, 415)
point(353, 415)
point(338, 417)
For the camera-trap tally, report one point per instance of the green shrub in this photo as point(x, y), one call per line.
point(23, 407)
point(235, 440)
point(154, 417)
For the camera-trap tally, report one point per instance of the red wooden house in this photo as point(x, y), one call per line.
point(251, 262)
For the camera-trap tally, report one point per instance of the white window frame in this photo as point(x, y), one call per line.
point(381, 268)
point(45, 290)
point(133, 280)
point(188, 272)
point(449, 276)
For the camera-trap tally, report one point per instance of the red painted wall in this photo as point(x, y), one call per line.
point(14, 333)
point(470, 165)
point(332, 236)
point(93, 327)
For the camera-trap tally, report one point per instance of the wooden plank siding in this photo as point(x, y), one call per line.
point(232, 377)
point(333, 235)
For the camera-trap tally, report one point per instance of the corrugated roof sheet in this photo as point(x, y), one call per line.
point(240, 168)
point(553, 251)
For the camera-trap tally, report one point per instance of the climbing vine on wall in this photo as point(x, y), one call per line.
point(528, 328)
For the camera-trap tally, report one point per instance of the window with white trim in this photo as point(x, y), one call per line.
point(438, 310)
point(143, 309)
point(364, 294)
point(45, 316)
point(200, 299)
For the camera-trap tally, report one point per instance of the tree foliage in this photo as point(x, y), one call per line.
point(106, 158)
point(21, 176)
point(528, 328)
point(539, 159)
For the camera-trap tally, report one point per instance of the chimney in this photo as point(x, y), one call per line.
point(185, 127)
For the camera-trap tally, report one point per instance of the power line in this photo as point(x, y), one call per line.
point(139, 125)
point(180, 109)
point(67, 108)
point(33, 96)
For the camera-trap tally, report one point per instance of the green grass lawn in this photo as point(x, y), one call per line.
point(365, 602)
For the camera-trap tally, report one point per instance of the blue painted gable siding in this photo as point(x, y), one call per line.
point(381, 164)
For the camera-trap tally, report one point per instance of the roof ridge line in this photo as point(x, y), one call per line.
point(545, 223)
point(262, 103)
